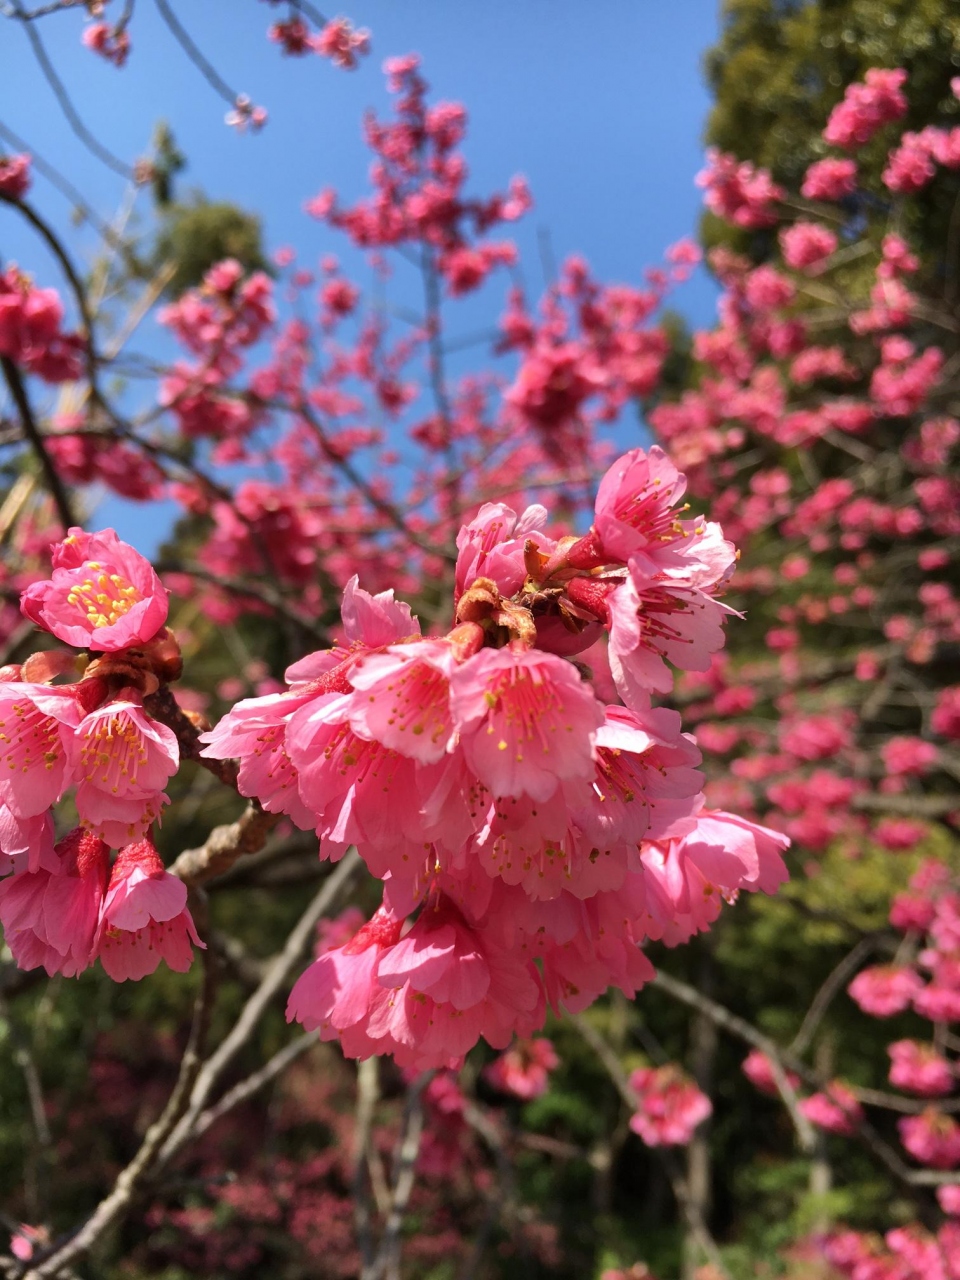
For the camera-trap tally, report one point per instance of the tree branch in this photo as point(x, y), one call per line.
point(117, 1203)
point(61, 499)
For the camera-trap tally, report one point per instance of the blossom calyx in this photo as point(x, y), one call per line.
point(47, 664)
point(144, 666)
point(483, 603)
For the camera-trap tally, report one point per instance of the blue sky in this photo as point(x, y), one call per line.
point(600, 105)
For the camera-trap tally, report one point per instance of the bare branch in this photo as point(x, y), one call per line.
point(688, 1207)
point(258, 1080)
point(115, 1205)
point(225, 845)
point(93, 145)
point(56, 487)
point(831, 987)
point(185, 41)
point(257, 1004)
point(386, 1265)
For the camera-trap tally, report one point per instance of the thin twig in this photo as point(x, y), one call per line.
point(386, 1265)
point(368, 1089)
point(257, 1004)
point(185, 41)
point(93, 145)
point(688, 1207)
point(115, 1205)
point(386, 508)
point(258, 1080)
point(822, 1000)
point(56, 487)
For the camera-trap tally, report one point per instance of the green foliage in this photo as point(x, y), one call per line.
point(168, 161)
point(780, 67)
point(199, 232)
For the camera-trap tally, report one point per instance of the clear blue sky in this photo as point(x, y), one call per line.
point(600, 105)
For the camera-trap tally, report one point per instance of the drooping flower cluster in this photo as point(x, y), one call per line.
point(866, 108)
point(483, 780)
point(110, 41)
point(670, 1106)
point(31, 326)
point(14, 176)
point(524, 1070)
point(63, 906)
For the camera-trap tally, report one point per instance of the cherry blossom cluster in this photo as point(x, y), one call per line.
point(216, 323)
point(418, 181)
point(345, 396)
point(481, 778)
point(866, 107)
point(876, 381)
point(738, 192)
point(63, 905)
point(31, 328)
point(905, 1253)
point(670, 1106)
point(924, 977)
point(336, 40)
point(15, 176)
point(110, 40)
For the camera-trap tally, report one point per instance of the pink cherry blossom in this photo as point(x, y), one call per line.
point(815, 737)
point(336, 992)
point(932, 1138)
point(25, 843)
point(885, 990)
point(403, 699)
point(50, 915)
point(910, 166)
point(492, 545)
point(112, 43)
point(919, 1068)
point(254, 731)
point(945, 718)
point(440, 1027)
point(144, 917)
point(836, 1109)
point(635, 513)
point(657, 618)
point(756, 1067)
point(31, 332)
point(358, 791)
point(14, 176)
point(443, 1146)
point(552, 384)
point(830, 179)
point(866, 107)
point(36, 727)
point(524, 1069)
point(904, 755)
point(738, 192)
point(670, 1106)
point(807, 245)
point(103, 594)
point(526, 721)
point(122, 759)
point(646, 782)
point(339, 42)
point(688, 878)
point(375, 620)
point(440, 957)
